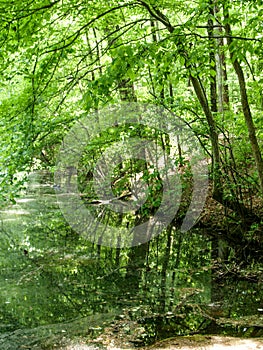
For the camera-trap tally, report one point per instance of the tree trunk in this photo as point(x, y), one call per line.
point(166, 259)
point(244, 101)
point(212, 59)
point(221, 70)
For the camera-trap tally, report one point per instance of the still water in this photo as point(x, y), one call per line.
point(56, 285)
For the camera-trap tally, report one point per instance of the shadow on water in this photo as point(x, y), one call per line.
point(55, 286)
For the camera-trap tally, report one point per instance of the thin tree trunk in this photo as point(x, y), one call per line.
point(166, 259)
point(212, 59)
point(217, 187)
point(223, 91)
point(244, 101)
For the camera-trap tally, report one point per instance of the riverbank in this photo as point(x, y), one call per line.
point(187, 343)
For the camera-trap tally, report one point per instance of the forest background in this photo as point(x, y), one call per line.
point(199, 61)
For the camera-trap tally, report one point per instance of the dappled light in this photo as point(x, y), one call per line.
point(131, 174)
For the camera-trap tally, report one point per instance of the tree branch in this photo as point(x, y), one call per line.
point(77, 34)
point(30, 13)
point(157, 14)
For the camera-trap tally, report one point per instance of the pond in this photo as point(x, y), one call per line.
point(55, 286)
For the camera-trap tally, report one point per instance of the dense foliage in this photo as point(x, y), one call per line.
point(65, 60)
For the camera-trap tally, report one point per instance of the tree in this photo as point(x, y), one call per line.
point(65, 60)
